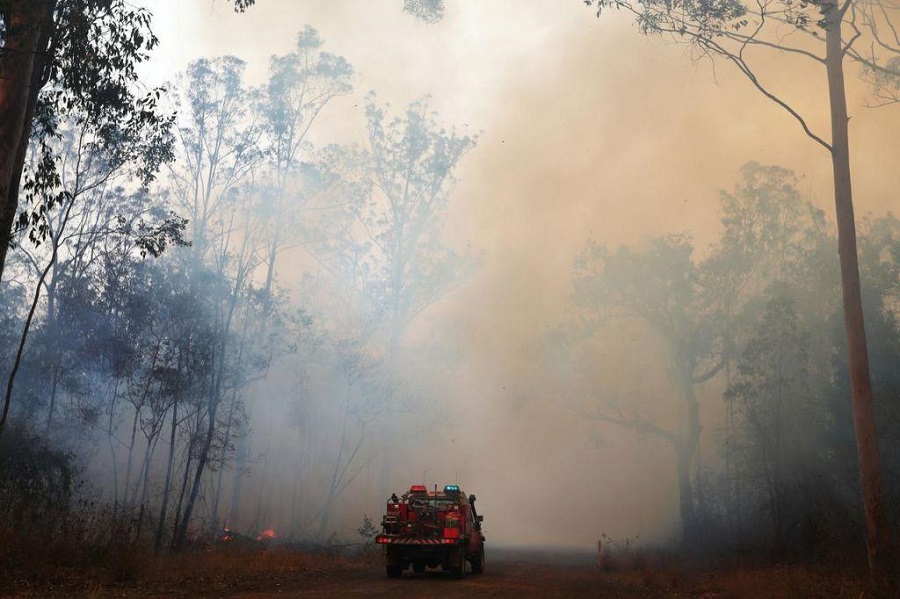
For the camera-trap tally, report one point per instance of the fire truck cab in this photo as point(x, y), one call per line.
point(430, 529)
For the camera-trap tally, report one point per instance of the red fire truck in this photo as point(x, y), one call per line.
point(427, 529)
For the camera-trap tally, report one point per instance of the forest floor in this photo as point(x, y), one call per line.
point(508, 573)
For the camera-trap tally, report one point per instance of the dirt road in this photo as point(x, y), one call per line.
point(508, 573)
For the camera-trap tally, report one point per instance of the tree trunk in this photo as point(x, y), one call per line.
point(134, 424)
point(29, 25)
point(219, 360)
point(880, 545)
point(240, 471)
point(217, 494)
point(184, 482)
point(684, 458)
point(145, 478)
point(55, 375)
point(686, 454)
point(181, 531)
point(109, 439)
point(167, 485)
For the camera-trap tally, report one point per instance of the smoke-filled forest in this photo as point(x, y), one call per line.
point(273, 271)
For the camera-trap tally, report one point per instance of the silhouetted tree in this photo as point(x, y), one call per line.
point(85, 53)
point(736, 32)
point(392, 253)
point(429, 11)
point(774, 396)
point(300, 86)
point(78, 164)
point(661, 285)
point(770, 235)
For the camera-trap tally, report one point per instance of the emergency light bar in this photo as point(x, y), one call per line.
point(451, 489)
point(418, 489)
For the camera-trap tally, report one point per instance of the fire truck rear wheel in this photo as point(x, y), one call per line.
point(394, 571)
point(478, 562)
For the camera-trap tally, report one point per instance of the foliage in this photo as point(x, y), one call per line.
point(217, 147)
point(92, 88)
point(774, 391)
point(411, 165)
point(367, 534)
point(145, 348)
point(35, 478)
point(763, 301)
point(429, 11)
point(295, 197)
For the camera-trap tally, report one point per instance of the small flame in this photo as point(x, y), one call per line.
point(266, 535)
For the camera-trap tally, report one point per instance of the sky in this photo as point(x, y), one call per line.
point(587, 130)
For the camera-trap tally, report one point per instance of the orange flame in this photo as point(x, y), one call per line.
point(266, 535)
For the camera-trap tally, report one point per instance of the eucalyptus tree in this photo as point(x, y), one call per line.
point(222, 149)
point(391, 253)
point(411, 163)
point(226, 287)
point(704, 312)
point(770, 235)
point(186, 367)
point(85, 217)
point(77, 168)
point(429, 11)
point(385, 241)
point(301, 84)
point(821, 35)
point(661, 285)
point(880, 270)
point(781, 423)
point(244, 184)
point(362, 387)
point(62, 54)
point(71, 63)
point(217, 147)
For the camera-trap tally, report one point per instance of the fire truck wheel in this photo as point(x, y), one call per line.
point(459, 572)
point(478, 562)
point(394, 571)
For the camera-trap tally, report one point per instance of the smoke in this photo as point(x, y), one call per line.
point(588, 131)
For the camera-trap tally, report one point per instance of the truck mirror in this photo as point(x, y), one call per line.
point(479, 519)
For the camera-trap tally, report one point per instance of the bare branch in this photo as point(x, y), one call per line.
point(637, 424)
point(748, 72)
point(702, 378)
point(750, 40)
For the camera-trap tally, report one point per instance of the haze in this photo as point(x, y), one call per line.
point(580, 131)
point(588, 131)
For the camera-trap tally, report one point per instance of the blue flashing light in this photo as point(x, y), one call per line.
point(451, 489)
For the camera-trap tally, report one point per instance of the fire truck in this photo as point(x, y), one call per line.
point(427, 529)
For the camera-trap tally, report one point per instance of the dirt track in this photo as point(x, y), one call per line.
point(508, 573)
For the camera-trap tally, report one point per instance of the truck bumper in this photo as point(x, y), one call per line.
point(429, 552)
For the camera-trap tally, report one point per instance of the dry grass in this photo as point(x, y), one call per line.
point(227, 565)
point(192, 573)
point(90, 549)
point(791, 581)
point(662, 573)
